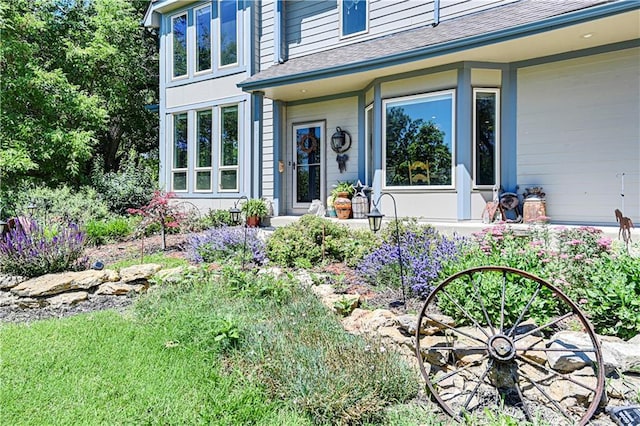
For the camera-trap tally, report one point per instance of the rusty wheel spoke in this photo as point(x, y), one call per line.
point(502, 297)
point(462, 333)
point(479, 298)
point(542, 327)
point(556, 374)
point(546, 395)
point(460, 370)
point(524, 311)
point(475, 389)
point(467, 314)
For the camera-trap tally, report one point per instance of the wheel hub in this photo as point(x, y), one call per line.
point(501, 348)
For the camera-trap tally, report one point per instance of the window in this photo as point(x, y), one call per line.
point(204, 151)
point(179, 45)
point(354, 17)
point(228, 32)
point(485, 136)
point(228, 148)
point(419, 140)
point(180, 153)
point(203, 39)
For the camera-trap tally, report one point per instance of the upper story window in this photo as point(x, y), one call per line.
point(486, 133)
point(203, 38)
point(228, 32)
point(354, 17)
point(179, 45)
point(418, 140)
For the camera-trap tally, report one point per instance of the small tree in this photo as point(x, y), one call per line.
point(160, 211)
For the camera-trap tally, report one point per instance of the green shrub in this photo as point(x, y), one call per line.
point(216, 219)
point(130, 187)
point(311, 239)
point(109, 230)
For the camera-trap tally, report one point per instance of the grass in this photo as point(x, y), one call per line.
point(231, 349)
point(159, 258)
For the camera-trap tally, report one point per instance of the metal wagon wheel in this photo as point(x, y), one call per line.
point(494, 360)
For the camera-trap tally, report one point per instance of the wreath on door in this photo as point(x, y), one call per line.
point(308, 143)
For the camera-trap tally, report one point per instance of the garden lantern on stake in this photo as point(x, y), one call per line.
point(375, 222)
point(235, 218)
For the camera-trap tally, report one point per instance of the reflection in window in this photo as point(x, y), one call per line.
point(228, 32)
point(179, 29)
point(180, 152)
point(485, 136)
point(308, 163)
point(203, 39)
point(203, 151)
point(419, 140)
point(229, 148)
point(354, 16)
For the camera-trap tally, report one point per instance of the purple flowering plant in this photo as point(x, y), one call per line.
point(31, 250)
point(226, 244)
point(424, 253)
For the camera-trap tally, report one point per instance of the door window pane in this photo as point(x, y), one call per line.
point(419, 141)
point(179, 29)
point(485, 137)
point(228, 32)
point(203, 39)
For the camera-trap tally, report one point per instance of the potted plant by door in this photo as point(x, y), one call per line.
point(253, 210)
point(343, 192)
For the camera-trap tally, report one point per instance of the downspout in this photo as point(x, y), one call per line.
point(436, 13)
point(278, 36)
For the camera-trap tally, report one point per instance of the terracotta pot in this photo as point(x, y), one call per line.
point(342, 204)
point(253, 221)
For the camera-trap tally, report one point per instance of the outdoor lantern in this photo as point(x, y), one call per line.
point(3, 227)
point(235, 214)
point(375, 219)
point(340, 141)
point(32, 208)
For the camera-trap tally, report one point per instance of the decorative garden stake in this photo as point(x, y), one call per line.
point(375, 222)
point(235, 218)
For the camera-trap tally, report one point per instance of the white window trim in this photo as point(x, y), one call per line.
point(219, 39)
point(196, 146)
point(421, 188)
point(195, 42)
point(498, 124)
point(172, 60)
point(175, 170)
point(236, 167)
point(341, 20)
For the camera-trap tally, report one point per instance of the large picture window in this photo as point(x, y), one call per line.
point(203, 38)
point(228, 32)
point(354, 17)
point(229, 148)
point(204, 151)
point(419, 140)
point(180, 153)
point(179, 45)
point(486, 136)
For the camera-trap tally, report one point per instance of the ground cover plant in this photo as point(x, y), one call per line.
point(227, 243)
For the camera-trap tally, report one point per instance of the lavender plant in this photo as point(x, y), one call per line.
point(225, 244)
point(31, 250)
point(424, 252)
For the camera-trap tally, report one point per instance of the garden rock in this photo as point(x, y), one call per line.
point(362, 321)
point(139, 272)
point(51, 284)
point(408, 323)
point(343, 304)
point(67, 299)
point(120, 288)
point(171, 275)
point(539, 357)
point(322, 290)
point(7, 299)
point(31, 303)
point(9, 281)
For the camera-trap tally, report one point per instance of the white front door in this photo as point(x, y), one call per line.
point(308, 163)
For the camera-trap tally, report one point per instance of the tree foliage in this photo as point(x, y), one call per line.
point(76, 76)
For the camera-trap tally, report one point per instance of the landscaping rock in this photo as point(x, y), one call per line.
point(50, 284)
point(30, 303)
point(531, 341)
point(274, 271)
point(362, 321)
point(70, 298)
point(322, 290)
point(343, 304)
point(139, 272)
point(428, 327)
point(10, 281)
point(7, 299)
point(429, 349)
point(120, 288)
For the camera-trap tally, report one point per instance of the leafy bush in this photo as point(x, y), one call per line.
point(312, 239)
point(131, 187)
point(160, 212)
point(216, 219)
point(109, 230)
point(424, 252)
point(59, 205)
point(227, 244)
point(31, 250)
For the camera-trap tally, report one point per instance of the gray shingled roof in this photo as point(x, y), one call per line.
point(404, 43)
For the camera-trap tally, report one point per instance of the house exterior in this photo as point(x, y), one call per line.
point(439, 102)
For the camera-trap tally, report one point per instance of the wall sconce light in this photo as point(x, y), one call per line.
point(340, 141)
